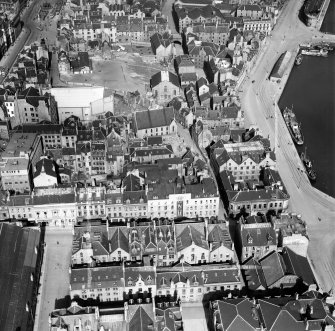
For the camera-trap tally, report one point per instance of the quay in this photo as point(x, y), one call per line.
point(259, 101)
point(322, 14)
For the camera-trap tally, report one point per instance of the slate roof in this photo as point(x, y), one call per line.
point(253, 274)
point(131, 183)
point(18, 262)
point(95, 235)
point(32, 96)
point(259, 236)
point(218, 234)
point(298, 265)
point(141, 317)
point(190, 235)
point(147, 274)
point(238, 314)
point(169, 319)
point(154, 118)
point(273, 268)
point(118, 240)
point(97, 277)
point(157, 78)
point(47, 166)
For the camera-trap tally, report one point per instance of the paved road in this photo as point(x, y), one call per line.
point(55, 278)
point(167, 12)
point(259, 101)
point(28, 32)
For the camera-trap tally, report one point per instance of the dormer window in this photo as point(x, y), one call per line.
point(130, 282)
point(149, 279)
point(118, 201)
point(127, 201)
point(249, 239)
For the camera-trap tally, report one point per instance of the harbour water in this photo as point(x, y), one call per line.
point(311, 90)
point(328, 24)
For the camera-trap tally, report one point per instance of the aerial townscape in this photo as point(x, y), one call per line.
point(149, 179)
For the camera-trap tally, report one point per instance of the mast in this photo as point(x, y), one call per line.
point(276, 126)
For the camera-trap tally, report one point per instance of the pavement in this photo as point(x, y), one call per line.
point(259, 100)
point(55, 279)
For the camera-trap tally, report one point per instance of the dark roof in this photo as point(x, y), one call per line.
point(18, 262)
point(238, 314)
point(141, 319)
point(273, 268)
point(118, 240)
point(190, 235)
point(154, 118)
point(32, 96)
point(47, 166)
point(258, 236)
point(39, 128)
point(298, 265)
point(164, 76)
point(81, 61)
point(253, 274)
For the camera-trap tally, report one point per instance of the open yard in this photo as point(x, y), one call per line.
point(126, 73)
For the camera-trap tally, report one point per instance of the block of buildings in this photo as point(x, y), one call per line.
point(18, 159)
point(191, 283)
point(106, 283)
point(307, 311)
point(243, 160)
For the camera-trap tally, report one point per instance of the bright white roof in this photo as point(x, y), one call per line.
point(72, 97)
point(193, 315)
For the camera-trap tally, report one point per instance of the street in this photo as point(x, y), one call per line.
point(55, 274)
point(259, 101)
point(29, 34)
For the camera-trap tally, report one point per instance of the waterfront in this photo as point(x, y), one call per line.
point(310, 89)
point(328, 24)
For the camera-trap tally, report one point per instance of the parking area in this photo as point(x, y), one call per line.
point(55, 274)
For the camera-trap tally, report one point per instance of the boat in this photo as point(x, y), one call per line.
point(308, 166)
point(308, 45)
point(298, 59)
point(293, 126)
point(315, 52)
point(326, 46)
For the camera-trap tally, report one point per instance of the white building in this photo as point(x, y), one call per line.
point(155, 122)
point(175, 200)
point(244, 160)
point(45, 173)
point(105, 283)
point(76, 101)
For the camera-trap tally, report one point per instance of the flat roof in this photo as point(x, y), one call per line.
point(244, 147)
point(193, 316)
point(18, 261)
point(77, 97)
point(15, 164)
point(19, 142)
